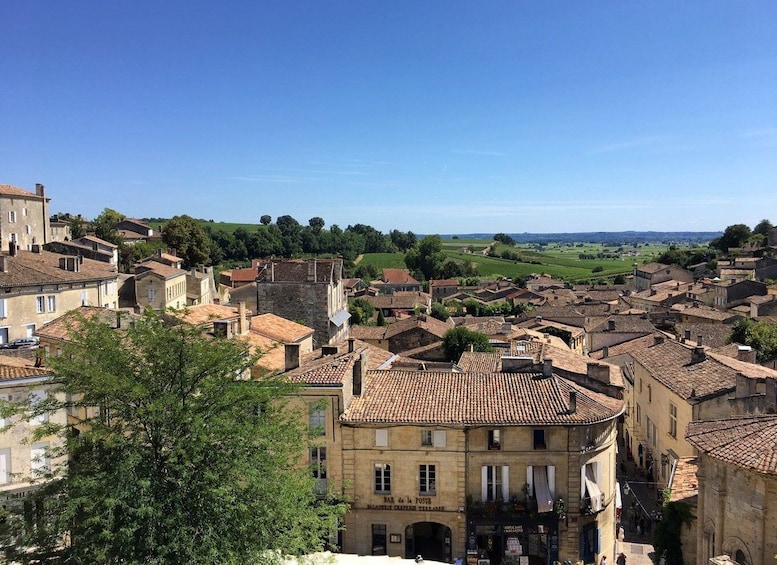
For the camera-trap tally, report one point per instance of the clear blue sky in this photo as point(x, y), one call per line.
point(431, 116)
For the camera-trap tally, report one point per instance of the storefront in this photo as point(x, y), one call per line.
point(531, 541)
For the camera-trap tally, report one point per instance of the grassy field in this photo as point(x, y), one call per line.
point(558, 261)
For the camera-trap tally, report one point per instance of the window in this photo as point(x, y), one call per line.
point(439, 438)
point(3, 308)
point(590, 492)
point(3, 399)
point(426, 479)
point(52, 303)
point(379, 539)
point(494, 440)
point(382, 478)
point(639, 414)
point(84, 301)
point(40, 304)
point(38, 397)
point(539, 439)
point(318, 468)
point(151, 293)
point(11, 216)
point(640, 384)
point(426, 437)
point(39, 462)
point(650, 393)
point(495, 482)
point(27, 229)
point(541, 481)
point(381, 438)
point(672, 420)
point(317, 420)
point(5, 466)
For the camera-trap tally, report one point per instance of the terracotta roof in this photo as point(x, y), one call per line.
point(62, 327)
point(751, 370)
point(12, 368)
point(652, 267)
point(96, 239)
point(748, 442)
point(398, 276)
point(443, 282)
point(480, 362)
point(28, 268)
point(624, 324)
point(8, 190)
point(202, 314)
point(670, 364)
point(329, 370)
point(279, 329)
point(296, 270)
point(241, 275)
point(685, 485)
point(713, 335)
point(703, 312)
point(445, 398)
point(160, 269)
point(428, 323)
point(273, 357)
point(405, 300)
point(629, 346)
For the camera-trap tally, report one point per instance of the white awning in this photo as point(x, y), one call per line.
point(618, 503)
point(542, 489)
point(339, 318)
point(595, 494)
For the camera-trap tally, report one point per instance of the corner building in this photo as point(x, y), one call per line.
point(511, 460)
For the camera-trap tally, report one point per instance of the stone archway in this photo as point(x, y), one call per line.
point(432, 540)
point(736, 549)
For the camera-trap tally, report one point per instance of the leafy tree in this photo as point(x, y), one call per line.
point(667, 538)
point(733, 236)
point(184, 461)
point(619, 279)
point(381, 321)
point(291, 235)
point(104, 226)
point(266, 219)
point(504, 238)
point(361, 311)
point(458, 340)
point(439, 311)
point(76, 224)
point(761, 336)
point(316, 223)
point(188, 238)
point(366, 272)
point(402, 241)
point(426, 259)
point(763, 227)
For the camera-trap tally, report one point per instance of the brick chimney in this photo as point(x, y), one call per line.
point(698, 355)
point(547, 367)
point(40, 190)
point(611, 325)
point(598, 372)
point(572, 401)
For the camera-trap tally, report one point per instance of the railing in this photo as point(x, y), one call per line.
point(516, 507)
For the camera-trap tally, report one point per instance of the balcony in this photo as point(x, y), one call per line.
point(516, 507)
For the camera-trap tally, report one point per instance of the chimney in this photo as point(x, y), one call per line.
point(605, 352)
point(598, 372)
point(572, 401)
point(40, 190)
point(611, 325)
point(242, 324)
point(547, 367)
point(359, 369)
point(653, 292)
point(745, 387)
point(687, 335)
point(350, 345)
point(12, 248)
point(327, 350)
point(699, 339)
point(3, 264)
point(746, 353)
point(658, 339)
point(311, 271)
point(292, 351)
point(538, 319)
point(37, 248)
point(698, 355)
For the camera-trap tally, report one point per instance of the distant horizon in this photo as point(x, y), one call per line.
point(435, 117)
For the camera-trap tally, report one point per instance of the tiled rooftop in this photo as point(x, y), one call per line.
point(28, 268)
point(398, 276)
point(748, 442)
point(446, 398)
point(165, 271)
point(207, 313)
point(63, 326)
point(9, 190)
point(279, 329)
point(12, 368)
point(405, 299)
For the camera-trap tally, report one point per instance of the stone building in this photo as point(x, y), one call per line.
point(24, 217)
point(737, 481)
point(308, 291)
point(494, 464)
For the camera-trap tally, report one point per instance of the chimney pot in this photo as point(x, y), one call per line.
point(547, 367)
point(699, 340)
point(292, 351)
point(611, 325)
point(40, 190)
point(572, 401)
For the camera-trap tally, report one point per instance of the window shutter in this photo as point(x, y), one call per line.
point(530, 479)
point(3, 308)
point(505, 483)
point(484, 483)
point(439, 438)
point(552, 480)
point(582, 482)
point(381, 438)
point(5, 457)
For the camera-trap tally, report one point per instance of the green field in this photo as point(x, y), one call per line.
point(557, 261)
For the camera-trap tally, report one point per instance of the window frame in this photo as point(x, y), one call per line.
point(317, 419)
point(51, 303)
point(427, 438)
point(494, 441)
point(536, 435)
point(427, 479)
point(673, 420)
point(40, 304)
point(381, 476)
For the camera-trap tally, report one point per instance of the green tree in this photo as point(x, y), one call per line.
point(381, 321)
point(439, 311)
point(184, 461)
point(458, 340)
point(426, 258)
point(76, 224)
point(763, 227)
point(667, 540)
point(504, 238)
point(316, 223)
point(266, 219)
point(733, 236)
point(361, 311)
point(188, 238)
point(761, 336)
point(104, 226)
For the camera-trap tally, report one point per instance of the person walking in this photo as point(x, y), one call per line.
point(621, 559)
point(603, 560)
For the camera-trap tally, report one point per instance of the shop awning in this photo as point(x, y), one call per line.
point(339, 318)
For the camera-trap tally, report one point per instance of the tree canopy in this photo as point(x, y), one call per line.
point(426, 258)
point(458, 340)
point(174, 457)
point(761, 336)
point(733, 236)
point(105, 224)
point(187, 236)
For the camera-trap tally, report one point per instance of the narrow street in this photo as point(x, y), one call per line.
point(640, 508)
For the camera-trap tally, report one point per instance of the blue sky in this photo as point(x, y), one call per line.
point(436, 117)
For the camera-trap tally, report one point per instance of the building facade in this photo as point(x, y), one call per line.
point(24, 217)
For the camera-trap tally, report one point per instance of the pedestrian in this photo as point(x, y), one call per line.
point(603, 560)
point(648, 525)
point(621, 559)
